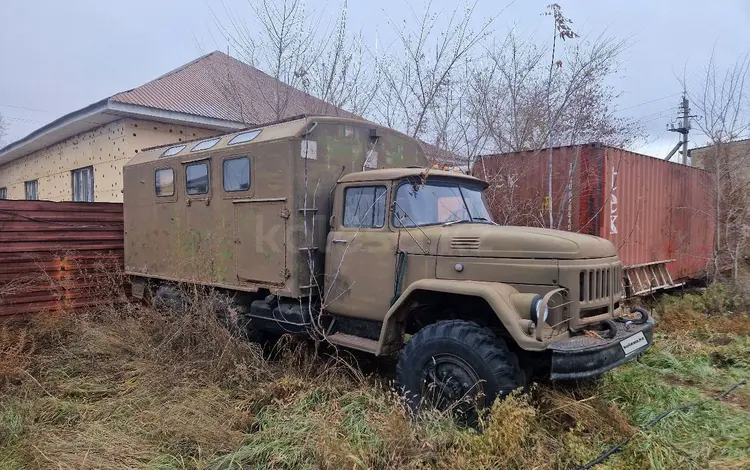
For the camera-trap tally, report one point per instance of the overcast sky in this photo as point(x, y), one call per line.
point(59, 56)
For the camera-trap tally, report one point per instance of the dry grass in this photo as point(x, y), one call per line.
point(719, 310)
point(126, 387)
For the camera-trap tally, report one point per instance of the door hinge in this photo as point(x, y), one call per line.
point(284, 214)
point(286, 274)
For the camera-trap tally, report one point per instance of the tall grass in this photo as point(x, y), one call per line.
point(123, 386)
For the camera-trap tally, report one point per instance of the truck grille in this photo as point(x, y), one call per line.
point(465, 243)
point(600, 284)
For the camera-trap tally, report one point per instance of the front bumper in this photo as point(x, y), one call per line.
point(582, 356)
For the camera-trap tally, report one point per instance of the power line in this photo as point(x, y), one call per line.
point(668, 109)
point(652, 119)
point(25, 108)
point(650, 101)
point(21, 119)
point(655, 115)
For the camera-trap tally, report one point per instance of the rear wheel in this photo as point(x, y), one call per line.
point(168, 298)
point(457, 366)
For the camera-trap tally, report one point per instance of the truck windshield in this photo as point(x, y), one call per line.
point(440, 202)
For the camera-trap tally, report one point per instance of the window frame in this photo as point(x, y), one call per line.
point(90, 192)
point(3, 193)
point(26, 190)
point(373, 185)
point(202, 161)
point(249, 174)
point(174, 183)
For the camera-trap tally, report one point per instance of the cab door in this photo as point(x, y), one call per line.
point(361, 256)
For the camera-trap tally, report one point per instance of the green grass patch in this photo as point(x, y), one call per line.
point(696, 438)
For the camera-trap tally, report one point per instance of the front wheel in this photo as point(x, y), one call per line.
point(456, 366)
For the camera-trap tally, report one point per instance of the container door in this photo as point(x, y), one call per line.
point(198, 253)
point(260, 248)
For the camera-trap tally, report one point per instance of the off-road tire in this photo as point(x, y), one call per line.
point(267, 340)
point(168, 298)
point(488, 355)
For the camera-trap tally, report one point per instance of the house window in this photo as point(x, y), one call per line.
point(83, 184)
point(244, 137)
point(364, 207)
point(196, 178)
point(236, 174)
point(3, 193)
point(32, 190)
point(164, 182)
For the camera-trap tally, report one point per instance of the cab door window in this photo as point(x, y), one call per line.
point(364, 207)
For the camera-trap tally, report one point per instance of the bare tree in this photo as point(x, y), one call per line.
point(519, 102)
point(306, 69)
point(511, 96)
point(279, 42)
point(340, 75)
point(3, 129)
point(722, 101)
point(421, 71)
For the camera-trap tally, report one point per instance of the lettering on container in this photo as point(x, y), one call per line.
point(613, 203)
point(569, 197)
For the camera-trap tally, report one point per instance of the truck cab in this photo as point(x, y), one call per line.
point(340, 230)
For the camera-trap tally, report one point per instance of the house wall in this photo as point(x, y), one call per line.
point(106, 148)
point(729, 195)
point(736, 155)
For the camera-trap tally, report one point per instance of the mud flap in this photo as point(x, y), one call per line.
point(137, 287)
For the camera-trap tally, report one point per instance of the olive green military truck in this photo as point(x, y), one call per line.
point(339, 229)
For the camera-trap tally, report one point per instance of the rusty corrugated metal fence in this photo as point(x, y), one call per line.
point(53, 255)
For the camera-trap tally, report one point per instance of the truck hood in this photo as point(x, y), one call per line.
point(496, 241)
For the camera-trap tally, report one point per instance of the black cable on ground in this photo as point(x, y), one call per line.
point(617, 447)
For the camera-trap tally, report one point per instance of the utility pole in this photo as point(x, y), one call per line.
point(683, 129)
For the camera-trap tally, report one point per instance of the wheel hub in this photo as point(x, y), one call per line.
point(451, 382)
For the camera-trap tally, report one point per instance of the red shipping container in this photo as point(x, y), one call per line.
point(651, 209)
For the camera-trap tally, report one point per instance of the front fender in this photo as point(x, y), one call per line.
point(496, 295)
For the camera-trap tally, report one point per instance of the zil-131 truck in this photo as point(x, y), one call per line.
point(340, 229)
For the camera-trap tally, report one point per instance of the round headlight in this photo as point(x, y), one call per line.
point(536, 307)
